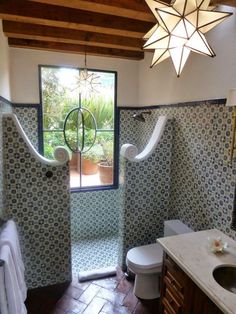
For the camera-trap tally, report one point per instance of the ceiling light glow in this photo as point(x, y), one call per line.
point(180, 29)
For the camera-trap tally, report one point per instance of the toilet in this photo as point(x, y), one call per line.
point(146, 262)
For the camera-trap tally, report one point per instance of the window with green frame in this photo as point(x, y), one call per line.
point(83, 121)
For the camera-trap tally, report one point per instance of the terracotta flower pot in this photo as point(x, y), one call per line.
point(89, 167)
point(74, 161)
point(105, 173)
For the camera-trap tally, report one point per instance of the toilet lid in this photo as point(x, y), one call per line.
point(146, 256)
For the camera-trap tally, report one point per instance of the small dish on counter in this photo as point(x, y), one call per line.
point(216, 245)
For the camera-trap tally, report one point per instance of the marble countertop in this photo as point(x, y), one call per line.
point(190, 251)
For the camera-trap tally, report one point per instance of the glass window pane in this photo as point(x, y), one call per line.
point(92, 126)
point(75, 171)
point(51, 141)
point(101, 104)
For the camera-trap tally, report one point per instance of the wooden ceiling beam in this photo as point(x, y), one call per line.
point(72, 48)
point(231, 3)
point(51, 15)
point(72, 36)
point(134, 9)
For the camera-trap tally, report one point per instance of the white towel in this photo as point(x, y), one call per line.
point(97, 273)
point(14, 298)
point(9, 236)
point(3, 297)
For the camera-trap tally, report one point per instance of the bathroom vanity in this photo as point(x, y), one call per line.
point(179, 294)
point(187, 284)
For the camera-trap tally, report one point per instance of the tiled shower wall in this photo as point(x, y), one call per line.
point(37, 198)
point(146, 185)
point(4, 107)
point(202, 178)
point(28, 118)
point(189, 177)
point(202, 175)
point(93, 214)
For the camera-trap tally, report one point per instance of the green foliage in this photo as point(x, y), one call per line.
point(102, 110)
point(73, 141)
point(89, 136)
point(102, 150)
point(95, 153)
point(107, 143)
point(105, 137)
point(51, 141)
point(58, 101)
point(53, 95)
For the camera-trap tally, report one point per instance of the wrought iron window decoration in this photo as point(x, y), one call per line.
point(75, 128)
point(180, 29)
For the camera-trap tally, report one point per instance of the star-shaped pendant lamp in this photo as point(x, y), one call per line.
point(87, 82)
point(180, 29)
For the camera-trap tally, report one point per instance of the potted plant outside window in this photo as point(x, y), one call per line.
point(105, 166)
point(90, 160)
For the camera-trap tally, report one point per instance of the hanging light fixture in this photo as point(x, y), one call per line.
point(87, 82)
point(180, 29)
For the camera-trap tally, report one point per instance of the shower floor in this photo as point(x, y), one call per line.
point(94, 254)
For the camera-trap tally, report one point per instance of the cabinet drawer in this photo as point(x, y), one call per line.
point(171, 302)
point(166, 308)
point(173, 284)
point(180, 295)
point(176, 272)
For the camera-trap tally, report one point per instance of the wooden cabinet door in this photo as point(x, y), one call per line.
point(180, 295)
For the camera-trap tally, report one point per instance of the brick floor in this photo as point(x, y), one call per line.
point(104, 296)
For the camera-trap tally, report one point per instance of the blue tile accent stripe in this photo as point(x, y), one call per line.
point(220, 101)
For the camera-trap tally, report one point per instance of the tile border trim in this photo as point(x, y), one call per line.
point(220, 101)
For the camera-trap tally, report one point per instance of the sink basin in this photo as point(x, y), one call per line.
point(225, 276)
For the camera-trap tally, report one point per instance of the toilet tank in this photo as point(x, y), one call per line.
point(174, 227)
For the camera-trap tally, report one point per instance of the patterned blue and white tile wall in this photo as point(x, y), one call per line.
point(4, 107)
point(201, 177)
point(28, 118)
point(146, 188)
point(87, 222)
point(195, 179)
point(40, 205)
point(95, 214)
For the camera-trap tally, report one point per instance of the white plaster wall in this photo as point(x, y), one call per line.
point(24, 73)
point(4, 66)
point(202, 78)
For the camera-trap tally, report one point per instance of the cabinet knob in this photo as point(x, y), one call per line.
point(173, 284)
